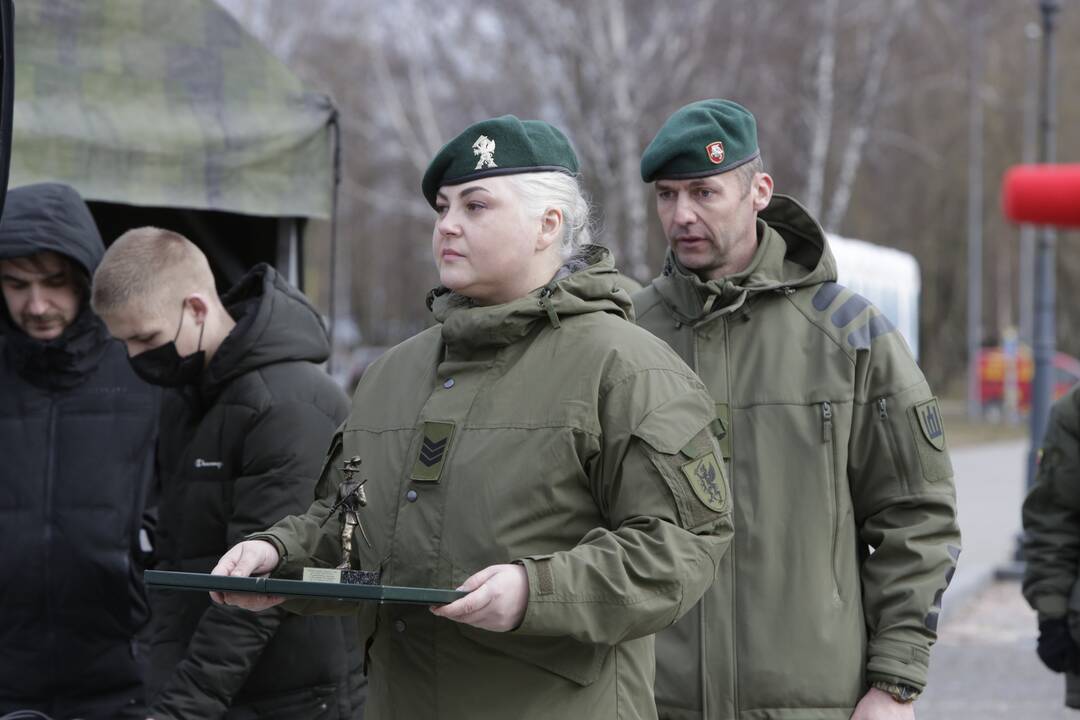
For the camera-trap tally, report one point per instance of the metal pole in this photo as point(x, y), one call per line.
point(1041, 390)
point(975, 213)
point(1026, 288)
point(1026, 271)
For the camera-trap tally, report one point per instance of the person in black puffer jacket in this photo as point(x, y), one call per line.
point(244, 429)
point(77, 431)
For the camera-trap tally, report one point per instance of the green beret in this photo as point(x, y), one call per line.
point(500, 146)
point(704, 138)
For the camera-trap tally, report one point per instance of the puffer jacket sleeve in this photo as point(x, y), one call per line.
point(1052, 513)
point(664, 538)
point(278, 478)
point(905, 509)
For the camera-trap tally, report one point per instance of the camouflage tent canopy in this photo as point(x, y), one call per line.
point(170, 113)
point(165, 104)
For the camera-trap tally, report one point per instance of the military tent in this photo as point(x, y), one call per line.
point(168, 113)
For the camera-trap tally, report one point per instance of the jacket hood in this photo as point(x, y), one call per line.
point(50, 217)
point(53, 217)
point(586, 283)
point(274, 323)
point(792, 253)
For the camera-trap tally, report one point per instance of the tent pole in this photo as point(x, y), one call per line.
point(335, 131)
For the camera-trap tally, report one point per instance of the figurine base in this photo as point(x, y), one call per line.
point(166, 580)
point(341, 576)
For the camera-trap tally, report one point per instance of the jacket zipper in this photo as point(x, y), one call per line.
point(736, 701)
point(826, 424)
point(50, 469)
point(827, 439)
point(890, 441)
point(703, 659)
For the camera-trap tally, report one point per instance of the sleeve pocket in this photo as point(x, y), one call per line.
point(695, 476)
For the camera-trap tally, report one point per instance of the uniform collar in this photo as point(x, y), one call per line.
point(586, 283)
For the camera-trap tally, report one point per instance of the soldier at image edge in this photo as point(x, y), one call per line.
point(1052, 544)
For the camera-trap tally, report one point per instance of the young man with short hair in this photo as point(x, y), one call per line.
point(244, 426)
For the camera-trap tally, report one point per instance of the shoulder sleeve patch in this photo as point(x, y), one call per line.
point(707, 480)
point(929, 415)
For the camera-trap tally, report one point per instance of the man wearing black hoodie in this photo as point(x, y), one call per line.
point(243, 432)
point(77, 432)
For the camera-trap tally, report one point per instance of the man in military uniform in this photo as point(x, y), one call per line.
point(1052, 546)
point(844, 506)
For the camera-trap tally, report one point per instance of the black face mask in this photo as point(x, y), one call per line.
point(164, 366)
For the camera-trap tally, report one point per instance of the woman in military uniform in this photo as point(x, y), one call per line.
point(534, 449)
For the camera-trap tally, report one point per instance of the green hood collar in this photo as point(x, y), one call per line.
point(792, 252)
point(586, 283)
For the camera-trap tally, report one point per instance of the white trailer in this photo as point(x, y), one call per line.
point(885, 276)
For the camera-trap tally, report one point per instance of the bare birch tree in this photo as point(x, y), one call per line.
point(822, 114)
point(864, 114)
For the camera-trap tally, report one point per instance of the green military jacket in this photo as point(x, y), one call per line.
point(835, 447)
point(1052, 516)
point(548, 431)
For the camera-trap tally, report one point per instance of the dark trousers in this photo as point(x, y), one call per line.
point(1072, 690)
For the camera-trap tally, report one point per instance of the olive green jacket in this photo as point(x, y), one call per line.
point(548, 431)
point(834, 446)
point(1052, 516)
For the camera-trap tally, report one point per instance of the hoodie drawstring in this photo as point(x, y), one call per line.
point(545, 302)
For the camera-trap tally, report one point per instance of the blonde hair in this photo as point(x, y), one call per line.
point(152, 268)
point(543, 190)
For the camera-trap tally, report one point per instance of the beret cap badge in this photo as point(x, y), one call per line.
point(484, 148)
point(716, 152)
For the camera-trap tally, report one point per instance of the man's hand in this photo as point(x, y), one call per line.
point(251, 557)
point(498, 596)
point(879, 705)
point(1056, 647)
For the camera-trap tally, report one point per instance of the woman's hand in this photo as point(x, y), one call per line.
point(251, 557)
point(498, 596)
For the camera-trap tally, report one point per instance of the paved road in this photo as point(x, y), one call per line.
point(984, 666)
point(989, 493)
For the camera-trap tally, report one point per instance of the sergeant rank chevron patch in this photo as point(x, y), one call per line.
point(434, 446)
